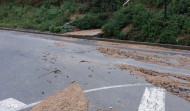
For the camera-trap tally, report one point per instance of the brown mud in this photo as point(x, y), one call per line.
point(145, 47)
point(71, 98)
point(165, 60)
point(70, 38)
point(59, 44)
point(177, 84)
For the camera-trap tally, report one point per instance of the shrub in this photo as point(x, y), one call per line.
point(167, 38)
point(83, 8)
point(149, 3)
point(146, 18)
point(120, 19)
point(179, 6)
point(105, 5)
point(188, 40)
point(90, 21)
point(180, 41)
point(3, 12)
point(187, 25)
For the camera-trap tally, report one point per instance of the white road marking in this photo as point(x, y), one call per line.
point(153, 100)
point(24, 106)
point(10, 104)
point(112, 87)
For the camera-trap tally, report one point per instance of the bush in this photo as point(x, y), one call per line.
point(149, 3)
point(105, 5)
point(187, 25)
point(43, 18)
point(179, 6)
point(120, 19)
point(143, 20)
point(84, 8)
point(167, 38)
point(180, 41)
point(3, 12)
point(90, 21)
point(188, 40)
point(148, 25)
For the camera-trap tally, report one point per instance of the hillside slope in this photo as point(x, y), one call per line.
point(140, 20)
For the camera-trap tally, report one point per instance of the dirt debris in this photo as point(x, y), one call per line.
point(75, 15)
point(59, 44)
point(70, 38)
point(146, 47)
point(165, 60)
point(176, 86)
point(57, 71)
point(127, 28)
point(105, 110)
point(71, 98)
point(93, 32)
point(82, 61)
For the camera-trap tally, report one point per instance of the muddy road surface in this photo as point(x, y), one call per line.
point(113, 76)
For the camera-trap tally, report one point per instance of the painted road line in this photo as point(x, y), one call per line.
point(24, 106)
point(153, 100)
point(10, 104)
point(112, 87)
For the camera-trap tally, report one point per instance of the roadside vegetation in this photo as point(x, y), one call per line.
point(140, 20)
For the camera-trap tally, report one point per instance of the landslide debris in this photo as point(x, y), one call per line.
point(152, 58)
point(177, 84)
point(71, 98)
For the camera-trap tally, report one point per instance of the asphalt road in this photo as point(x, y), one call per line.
point(28, 63)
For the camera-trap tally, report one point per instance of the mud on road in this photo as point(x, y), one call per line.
point(165, 60)
point(71, 98)
point(177, 84)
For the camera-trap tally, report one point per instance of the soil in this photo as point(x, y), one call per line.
point(71, 98)
point(70, 38)
point(179, 86)
point(74, 16)
point(94, 32)
point(59, 44)
point(146, 47)
point(182, 62)
point(127, 28)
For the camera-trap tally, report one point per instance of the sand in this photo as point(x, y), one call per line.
point(71, 98)
point(94, 32)
point(70, 38)
point(59, 44)
point(177, 84)
point(152, 58)
point(145, 47)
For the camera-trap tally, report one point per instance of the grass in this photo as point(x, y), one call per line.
point(141, 20)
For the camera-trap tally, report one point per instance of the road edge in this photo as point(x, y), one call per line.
point(99, 38)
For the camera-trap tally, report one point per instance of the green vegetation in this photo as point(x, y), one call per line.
point(91, 21)
point(43, 18)
point(148, 23)
point(140, 20)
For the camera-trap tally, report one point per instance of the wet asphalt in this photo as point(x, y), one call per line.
point(28, 63)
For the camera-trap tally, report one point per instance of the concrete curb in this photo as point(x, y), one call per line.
point(100, 39)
